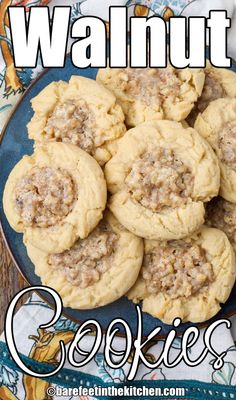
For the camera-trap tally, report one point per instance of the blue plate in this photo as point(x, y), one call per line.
point(14, 145)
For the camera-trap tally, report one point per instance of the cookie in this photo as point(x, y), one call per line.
point(217, 124)
point(95, 271)
point(187, 278)
point(154, 93)
point(160, 178)
point(81, 112)
point(219, 83)
point(55, 196)
point(221, 214)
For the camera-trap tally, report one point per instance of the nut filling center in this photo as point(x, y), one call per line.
point(150, 85)
point(178, 269)
point(158, 179)
point(72, 122)
point(44, 196)
point(84, 264)
point(227, 144)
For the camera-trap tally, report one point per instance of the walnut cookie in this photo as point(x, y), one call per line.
point(217, 124)
point(55, 196)
point(81, 112)
point(154, 93)
point(95, 271)
point(160, 178)
point(187, 278)
point(219, 83)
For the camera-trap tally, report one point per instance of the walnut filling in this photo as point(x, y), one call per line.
point(221, 214)
point(44, 196)
point(227, 144)
point(159, 179)
point(84, 264)
point(178, 269)
point(72, 123)
point(150, 85)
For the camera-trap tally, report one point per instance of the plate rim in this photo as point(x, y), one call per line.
point(162, 336)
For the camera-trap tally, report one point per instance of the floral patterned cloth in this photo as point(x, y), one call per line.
point(200, 382)
point(31, 341)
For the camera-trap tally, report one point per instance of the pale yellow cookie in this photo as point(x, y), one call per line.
point(55, 196)
point(160, 178)
point(217, 124)
point(95, 271)
point(151, 94)
point(81, 112)
point(219, 83)
point(187, 278)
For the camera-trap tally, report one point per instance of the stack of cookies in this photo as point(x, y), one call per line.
point(162, 236)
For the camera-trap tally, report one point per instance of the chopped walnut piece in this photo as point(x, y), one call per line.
point(158, 179)
point(178, 269)
point(44, 196)
point(72, 122)
point(84, 264)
